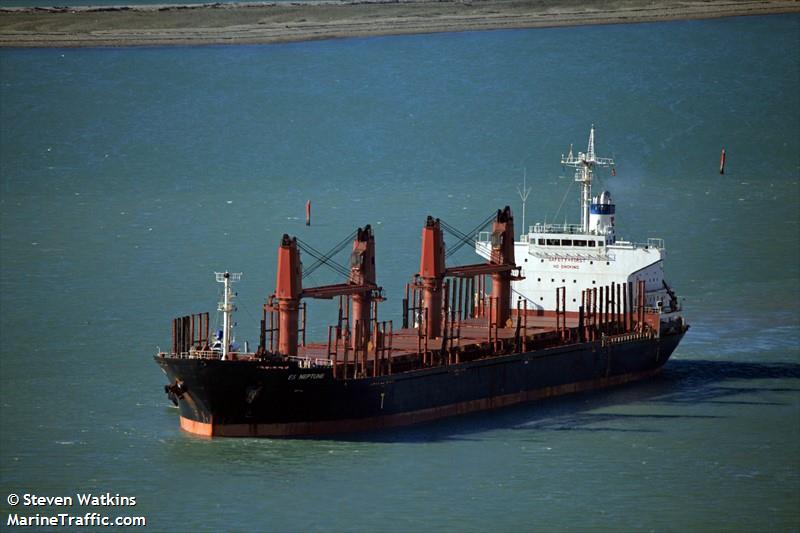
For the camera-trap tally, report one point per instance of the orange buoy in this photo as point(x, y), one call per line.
point(308, 212)
point(722, 162)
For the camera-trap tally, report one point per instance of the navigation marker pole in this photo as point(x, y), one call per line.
point(227, 307)
point(584, 169)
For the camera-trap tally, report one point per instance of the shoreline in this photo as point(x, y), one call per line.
point(265, 23)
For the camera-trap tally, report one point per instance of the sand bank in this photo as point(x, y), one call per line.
point(284, 22)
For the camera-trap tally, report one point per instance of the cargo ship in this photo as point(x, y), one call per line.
point(565, 309)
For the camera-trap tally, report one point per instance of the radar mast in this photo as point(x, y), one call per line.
point(227, 307)
point(584, 165)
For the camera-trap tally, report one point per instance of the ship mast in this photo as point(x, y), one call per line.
point(523, 195)
point(584, 165)
point(227, 307)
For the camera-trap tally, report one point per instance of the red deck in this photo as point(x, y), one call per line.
point(473, 332)
point(406, 349)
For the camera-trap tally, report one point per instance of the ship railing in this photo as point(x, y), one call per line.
point(556, 228)
point(207, 354)
point(194, 354)
point(653, 242)
point(627, 337)
point(311, 362)
point(576, 256)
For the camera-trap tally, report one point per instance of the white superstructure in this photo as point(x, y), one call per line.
point(586, 255)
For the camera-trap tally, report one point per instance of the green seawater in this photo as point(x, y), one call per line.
point(128, 176)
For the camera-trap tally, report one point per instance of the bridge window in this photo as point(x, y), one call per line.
point(591, 244)
point(541, 242)
point(553, 242)
point(600, 243)
point(566, 242)
point(578, 243)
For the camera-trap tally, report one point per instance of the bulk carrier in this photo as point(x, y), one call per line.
point(567, 308)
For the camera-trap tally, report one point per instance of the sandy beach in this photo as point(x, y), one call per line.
point(250, 23)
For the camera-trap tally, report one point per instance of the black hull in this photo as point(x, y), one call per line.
point(254, 399)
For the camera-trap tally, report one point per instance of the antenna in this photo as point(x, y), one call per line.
point(523, 194)
point(227, 307)
point(584, 165)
